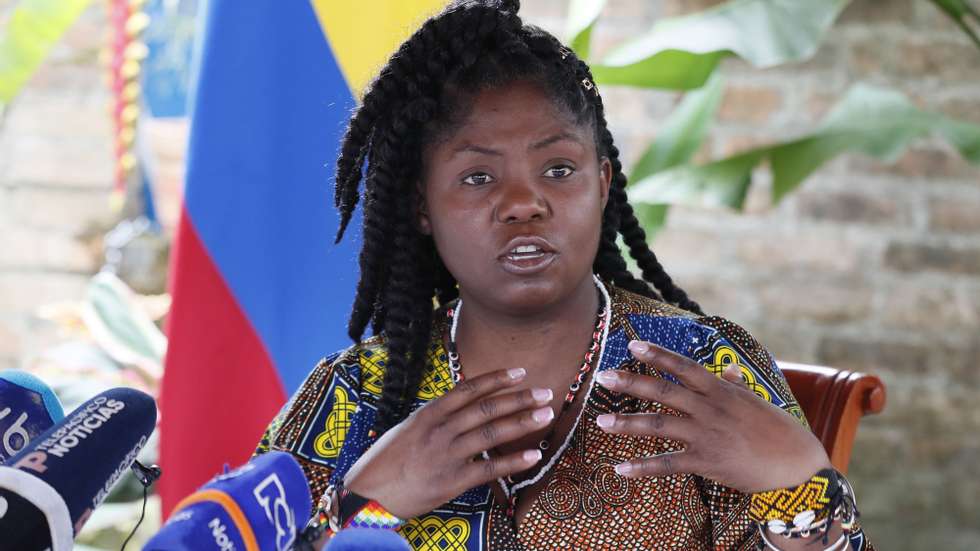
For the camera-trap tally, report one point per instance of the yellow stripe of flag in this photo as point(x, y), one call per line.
point(364, 33)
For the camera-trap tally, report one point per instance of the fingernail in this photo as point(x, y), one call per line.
point(623, 468)
point(516, 373)
point(542, 394)
point(605, 421)
point(607, 378)
point(542, 415)
point(532, 456)
point(638, 347)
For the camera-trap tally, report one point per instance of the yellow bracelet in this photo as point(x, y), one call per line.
point(798, 507)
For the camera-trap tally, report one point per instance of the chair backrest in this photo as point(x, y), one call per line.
point(834, 400)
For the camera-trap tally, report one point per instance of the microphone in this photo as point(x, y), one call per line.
point(367, 539)
point(254, 507)
point(28, 407)
point(49, 489)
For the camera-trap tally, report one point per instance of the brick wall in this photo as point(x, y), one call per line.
point(868, 266)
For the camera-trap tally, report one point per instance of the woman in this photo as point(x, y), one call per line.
point(551, 400)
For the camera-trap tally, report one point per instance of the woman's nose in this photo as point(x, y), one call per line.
point(520, 201)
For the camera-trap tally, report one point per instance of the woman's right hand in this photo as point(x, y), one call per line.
point(433, 455)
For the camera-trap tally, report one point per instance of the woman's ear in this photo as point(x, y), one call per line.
point(605, 179)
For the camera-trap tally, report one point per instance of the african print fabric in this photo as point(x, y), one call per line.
point(584, 504)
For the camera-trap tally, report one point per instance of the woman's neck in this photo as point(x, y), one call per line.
point(489, 339)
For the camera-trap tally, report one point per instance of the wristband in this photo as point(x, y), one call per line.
point(357, 511)
point(341, 508)
point(799, 505)
point(812, 506)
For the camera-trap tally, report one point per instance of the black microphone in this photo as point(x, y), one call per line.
point(256, 507)
point(367, 539)
point(49, 489)
point(28, 407)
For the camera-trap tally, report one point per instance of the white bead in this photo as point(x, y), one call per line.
point(804, 519)
point(777, 526)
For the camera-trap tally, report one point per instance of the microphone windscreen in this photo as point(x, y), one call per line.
point(367, 539)
point(68, 470)
point(28, 407)
point(258, 506)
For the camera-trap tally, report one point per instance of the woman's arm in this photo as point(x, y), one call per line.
point(731, 435)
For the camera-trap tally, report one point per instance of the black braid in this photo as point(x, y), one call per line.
point(418, 97)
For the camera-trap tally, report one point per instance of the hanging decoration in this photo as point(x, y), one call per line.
point(126, 54)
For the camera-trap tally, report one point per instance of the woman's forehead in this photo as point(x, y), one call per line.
point(519, 111)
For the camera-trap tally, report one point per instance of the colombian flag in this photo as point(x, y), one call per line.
point(260, 291)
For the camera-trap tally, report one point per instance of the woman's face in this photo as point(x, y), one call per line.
point(513, 200)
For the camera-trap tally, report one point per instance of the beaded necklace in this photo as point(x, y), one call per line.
point(593, 357)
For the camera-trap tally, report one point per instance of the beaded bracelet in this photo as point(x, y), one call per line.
point(341, 508)
point(360, 512)
point(806, 509)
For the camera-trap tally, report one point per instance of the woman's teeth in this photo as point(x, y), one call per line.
point(525, 252)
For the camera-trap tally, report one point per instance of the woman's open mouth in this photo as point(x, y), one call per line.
point(527, 259)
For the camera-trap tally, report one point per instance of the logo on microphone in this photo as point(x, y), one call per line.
point(272, 497)
point(220, 537)
point(16, 436)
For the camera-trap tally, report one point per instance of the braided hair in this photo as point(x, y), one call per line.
point(420, 96)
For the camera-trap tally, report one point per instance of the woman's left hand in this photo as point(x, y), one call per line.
point(730, 435)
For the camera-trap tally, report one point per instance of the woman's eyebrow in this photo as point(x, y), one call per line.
point(540, 144)
point(561, 136)
point(470, 148)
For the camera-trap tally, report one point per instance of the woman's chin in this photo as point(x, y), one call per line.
point(528, 296)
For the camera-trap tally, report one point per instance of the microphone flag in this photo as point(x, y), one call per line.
point(258, 506)
point(260, 292)
point(28, 407)
point(49, 489)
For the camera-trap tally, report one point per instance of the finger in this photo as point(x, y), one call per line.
point(687, 371)
point(468, 390)
point(488, 408)
point(657, 389)
point(649, 424)
point(664, 464)
point(502, 430)
point(733, 374)
point(482, 471)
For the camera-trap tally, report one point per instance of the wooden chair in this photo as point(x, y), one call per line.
point(834, 400)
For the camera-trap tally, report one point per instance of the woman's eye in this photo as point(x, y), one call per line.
point(478, 179)
point(560, 171)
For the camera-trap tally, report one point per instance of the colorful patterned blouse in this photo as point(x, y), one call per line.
point(585, 504)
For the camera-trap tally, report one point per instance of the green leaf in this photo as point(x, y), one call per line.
point(966, 17)
point(121, 327)
point(582, 15)
point(682, 134)
point(877, 122)
point(681, 53)
point(34, 26)
point(874, 121)
point(955, 8)
point(651, 217)
point(718, 184)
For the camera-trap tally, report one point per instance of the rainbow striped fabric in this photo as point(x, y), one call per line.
point(260, 293)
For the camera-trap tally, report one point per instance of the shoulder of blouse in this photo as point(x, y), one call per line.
point(713, 341)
